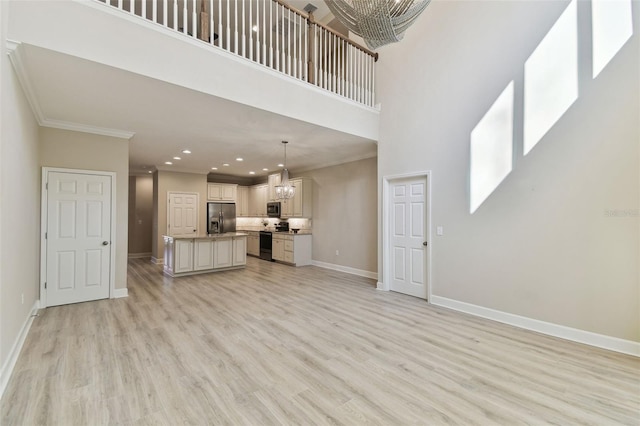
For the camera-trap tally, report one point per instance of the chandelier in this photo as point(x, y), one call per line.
point(378, 22)
point(285, 190)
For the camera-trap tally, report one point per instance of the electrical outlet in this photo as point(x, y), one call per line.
point(337, 252)
point(23, 298)
point(439, 230)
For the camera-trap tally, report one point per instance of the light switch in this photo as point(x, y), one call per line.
point(439, 230)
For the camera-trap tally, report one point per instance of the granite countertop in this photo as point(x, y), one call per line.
point(208, 236)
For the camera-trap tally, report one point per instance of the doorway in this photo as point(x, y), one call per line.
point(78, 228)
point(406, 234)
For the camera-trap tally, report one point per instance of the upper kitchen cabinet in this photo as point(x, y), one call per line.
point(258, 200)
point(273, 181)
point(301, 205)
point(242, 201)
point(222, 192)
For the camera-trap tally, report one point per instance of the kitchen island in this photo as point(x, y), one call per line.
point(201, 254)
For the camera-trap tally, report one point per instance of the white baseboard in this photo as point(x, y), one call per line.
point(139, 255)
point(157, 261)
point(7, 368)
point(347, 269)
point(598, 340)
point(380, 286)
point(120, 292)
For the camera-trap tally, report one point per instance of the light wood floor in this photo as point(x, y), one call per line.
point(277, 345)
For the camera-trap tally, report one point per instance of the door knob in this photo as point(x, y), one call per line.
point(105, 243)
point(424, 244)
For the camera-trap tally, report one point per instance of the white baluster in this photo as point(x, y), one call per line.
point(120, 5)
point(264, 31)
point(270, 34)
point(132, 6)
point(295, 46)
point(244, 29)
point(154, 11)
point(175, 15)
point(305, 51)
point(228, 28)
point(211, 27)
point(144, 9)
point(194, 17)
point(185, 15)
point(164, 13)
point(235, 25)
point(219, 17)
point(251, 32)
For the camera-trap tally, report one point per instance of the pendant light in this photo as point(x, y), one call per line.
point(285, 190)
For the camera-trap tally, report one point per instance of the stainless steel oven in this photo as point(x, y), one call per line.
point(265, 245)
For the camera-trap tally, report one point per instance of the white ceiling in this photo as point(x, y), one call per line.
point(166, 119)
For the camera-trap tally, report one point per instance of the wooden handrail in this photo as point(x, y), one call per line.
point(309, 17)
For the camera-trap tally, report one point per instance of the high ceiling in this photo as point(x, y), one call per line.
point(167, 119)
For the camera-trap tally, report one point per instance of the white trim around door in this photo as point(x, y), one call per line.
point(43, 228)
point(385, 284)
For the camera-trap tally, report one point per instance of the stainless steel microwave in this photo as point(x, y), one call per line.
point(273, 209)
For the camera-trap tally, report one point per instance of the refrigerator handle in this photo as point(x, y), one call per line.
point(221, 221)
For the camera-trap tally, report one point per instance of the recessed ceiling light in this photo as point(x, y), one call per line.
point(150, 171)
point(239, 159)
point(186, 151)
point(168, 162)
point(214, 168)
point(177, 158)
point(265, 170)
point(255, 28)
point(252, 173)
point(226, 164)
point(280, 165)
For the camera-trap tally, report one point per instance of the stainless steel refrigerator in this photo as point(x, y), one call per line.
point(221, 217)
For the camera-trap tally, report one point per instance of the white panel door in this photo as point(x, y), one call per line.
point(182, 216)
point(407, 236)
point(78, 237)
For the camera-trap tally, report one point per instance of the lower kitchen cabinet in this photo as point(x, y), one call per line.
point(239, 251)
point(253, 244)
point(201, 254)
point(292, 248)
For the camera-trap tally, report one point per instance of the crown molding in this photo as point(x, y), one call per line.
point(16, 56)
point(85, 128)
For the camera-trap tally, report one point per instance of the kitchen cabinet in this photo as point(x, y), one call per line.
point(253, 244)
point(272, 182)
point(301, 205)
point(277, 248)
point(223, 253)
point(204, 253)
point(183, 256)
point(258, 200)
point(242, 201)
point(294, 249)
point(239, 251)
point(222, 192)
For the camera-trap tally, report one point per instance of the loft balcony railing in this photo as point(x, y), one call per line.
point(271, 33)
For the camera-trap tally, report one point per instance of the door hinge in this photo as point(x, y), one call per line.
point(46, 186)
point(46, 235)
point(45, 285)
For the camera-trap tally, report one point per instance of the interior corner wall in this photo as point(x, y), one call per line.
point(558, 239)
point(140, 214)
point(165, 182)
point(345, 214)
point(85, 151)
point(19, 206)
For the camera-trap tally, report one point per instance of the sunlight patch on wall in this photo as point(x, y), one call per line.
point(612, 26)
point(551, 78)
point(491, 147)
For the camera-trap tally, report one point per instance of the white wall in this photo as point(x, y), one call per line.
point(345, 214)
point(165, 182)
point(19, 206)
point(85, 151)
point(542, 245)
